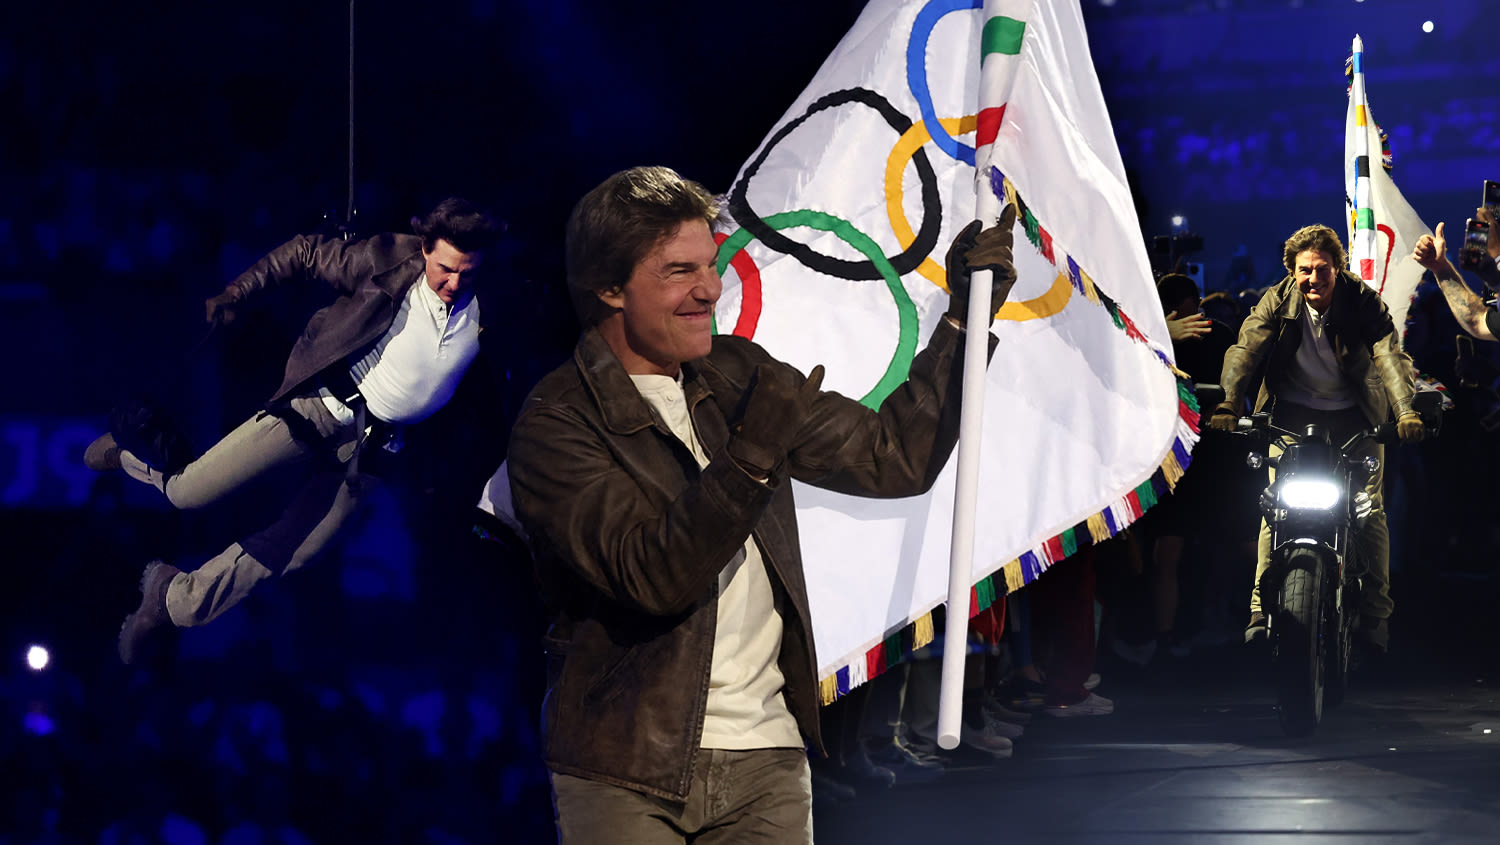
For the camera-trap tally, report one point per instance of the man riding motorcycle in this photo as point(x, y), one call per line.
point(1326, 351)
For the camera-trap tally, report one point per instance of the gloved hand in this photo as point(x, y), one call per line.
point(987, 250)
point(1224, 418)
point(771, 413)
point(1410, 429)
point(220, 310)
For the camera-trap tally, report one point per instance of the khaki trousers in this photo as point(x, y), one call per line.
point(763, 795)
point(262, 445)
point(1373, 541)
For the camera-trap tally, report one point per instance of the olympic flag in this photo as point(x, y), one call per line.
point(832, 254)
point(1383, 228)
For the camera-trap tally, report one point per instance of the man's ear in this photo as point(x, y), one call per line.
point(613, 297)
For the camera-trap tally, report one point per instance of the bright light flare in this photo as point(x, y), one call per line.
point(1316, 494)
point(37, 658)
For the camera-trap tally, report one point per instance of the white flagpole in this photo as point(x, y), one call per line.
point(1362, 227)
point(996, 76)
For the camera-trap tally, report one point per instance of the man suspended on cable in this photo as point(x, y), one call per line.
point(388, 353)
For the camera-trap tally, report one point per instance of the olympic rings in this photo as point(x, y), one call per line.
point(916, 74)
point(750, 288)
point(906, 340)
point(1048, 304)
point(922, 244)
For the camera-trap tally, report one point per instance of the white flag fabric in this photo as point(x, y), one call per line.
point(832, 253)
point(1383, 228)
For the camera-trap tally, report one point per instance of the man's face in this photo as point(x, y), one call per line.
point(668, 302)
point(450, 273)
point(1315, 278)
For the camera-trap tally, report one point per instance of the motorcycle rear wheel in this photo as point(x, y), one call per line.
point(1299, 649)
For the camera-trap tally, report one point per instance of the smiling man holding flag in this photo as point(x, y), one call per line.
point(653, 476)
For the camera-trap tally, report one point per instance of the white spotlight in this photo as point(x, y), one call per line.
point(1178, 220)
point(1426, 26)
point(37, 658)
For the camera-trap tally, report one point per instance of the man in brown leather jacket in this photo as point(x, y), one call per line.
point(387, 353)
point(653, 476)
point(1325, 351)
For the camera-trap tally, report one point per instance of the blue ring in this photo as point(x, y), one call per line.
point(916, 74)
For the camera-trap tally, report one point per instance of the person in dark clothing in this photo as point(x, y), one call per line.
point(652, 474)
point(389, 352)
point(1198, 345)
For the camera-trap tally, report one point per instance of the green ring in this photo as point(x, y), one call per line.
point(906, 342)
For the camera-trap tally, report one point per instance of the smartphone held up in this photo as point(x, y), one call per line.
point(1476, 245)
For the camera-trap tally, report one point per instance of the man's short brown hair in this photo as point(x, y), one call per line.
point(1315, 237)
point(613, 227)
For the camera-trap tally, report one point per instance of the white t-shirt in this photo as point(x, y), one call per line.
point(746, 708)
point(415, 367)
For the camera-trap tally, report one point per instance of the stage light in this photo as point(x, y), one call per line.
point(1426, 26)
point(37, 658)
point(1178, 220)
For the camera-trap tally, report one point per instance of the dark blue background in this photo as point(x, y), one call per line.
point(150, 153)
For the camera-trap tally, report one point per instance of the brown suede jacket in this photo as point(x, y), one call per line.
point(1364, 339)
point(629, 537)
point(371, 276)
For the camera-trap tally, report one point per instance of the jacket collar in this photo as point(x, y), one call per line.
point(620, 404)
point(1345, 298)
point(398, 278)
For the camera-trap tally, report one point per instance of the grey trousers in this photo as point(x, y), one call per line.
point(260, 446)
point(763, 795)
point(1373, 540)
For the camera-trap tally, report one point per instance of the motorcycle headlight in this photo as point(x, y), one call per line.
point(1314, 493)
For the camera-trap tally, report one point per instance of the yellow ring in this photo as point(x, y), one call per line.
point(1048, 304)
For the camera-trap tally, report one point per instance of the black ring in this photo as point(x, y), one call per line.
point(859, 271)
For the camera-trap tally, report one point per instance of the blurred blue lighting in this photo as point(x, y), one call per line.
point(38, 723)
point(37, 658)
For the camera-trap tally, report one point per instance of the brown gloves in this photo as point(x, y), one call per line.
point(987, 250)
point(771, 414)
point(1410, 429)
point(1224, 418)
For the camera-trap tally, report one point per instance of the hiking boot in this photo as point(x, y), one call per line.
point(103, 454)
point(152, 613)
point(1256, 630)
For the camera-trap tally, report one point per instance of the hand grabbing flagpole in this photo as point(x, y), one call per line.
point(1000, 43)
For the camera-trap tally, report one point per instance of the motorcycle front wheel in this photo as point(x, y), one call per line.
point(1299, 648)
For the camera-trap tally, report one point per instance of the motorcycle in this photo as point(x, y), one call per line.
point(1310, 590)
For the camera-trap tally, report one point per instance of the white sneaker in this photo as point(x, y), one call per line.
point(981, 739)
point(1094, 705)
point(1140, 655)
point(999, 727)
point(1091, 682)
